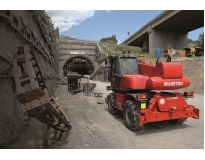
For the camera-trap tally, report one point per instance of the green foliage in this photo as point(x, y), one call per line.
point(67, 37)
point(111, 39)
point(145, 47)
point(189, 40)
point(201, 40)
point(110, 48)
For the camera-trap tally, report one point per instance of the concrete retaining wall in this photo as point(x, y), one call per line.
point(19, 28)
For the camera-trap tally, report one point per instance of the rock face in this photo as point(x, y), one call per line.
point(194, 70)
point(19, 28)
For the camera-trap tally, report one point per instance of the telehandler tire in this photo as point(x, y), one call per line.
point(178, 121)
point(130, 117)
point(111, 103)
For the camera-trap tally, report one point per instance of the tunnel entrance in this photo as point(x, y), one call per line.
point(79, 64)
point(81, 71)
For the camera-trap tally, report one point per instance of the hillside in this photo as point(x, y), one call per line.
point(111, 48)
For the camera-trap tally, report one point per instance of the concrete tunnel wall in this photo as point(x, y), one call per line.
point(91, 50)
point(62, 63)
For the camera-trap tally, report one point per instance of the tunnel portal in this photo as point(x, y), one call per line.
point(82, 65)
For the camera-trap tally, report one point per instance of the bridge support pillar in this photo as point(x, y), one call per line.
point(165, 39)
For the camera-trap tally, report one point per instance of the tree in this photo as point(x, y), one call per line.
point(111, 39)
point(201, 40)
point(190, 40)
point(197, 43)
point(145, 47)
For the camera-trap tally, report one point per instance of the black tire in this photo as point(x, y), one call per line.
point(130, 118)
point(169, 59)
point(178, 121)
point(158, 60)
point(111, 103)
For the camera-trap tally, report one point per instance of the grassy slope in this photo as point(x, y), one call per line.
point(110, 48)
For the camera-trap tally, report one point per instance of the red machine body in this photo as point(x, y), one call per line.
point(163, 76)
point(163, 107)
point(140, 92)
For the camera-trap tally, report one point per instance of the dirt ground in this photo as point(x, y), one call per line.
point(94, 128)
point(110, 132)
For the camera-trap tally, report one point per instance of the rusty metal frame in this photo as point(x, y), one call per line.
point(36, 100)
point(30, 95)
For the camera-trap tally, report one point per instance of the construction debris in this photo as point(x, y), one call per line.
point(77, 83)
point(99, 96)
point(88, 132)
point(63, 82)
point(74, 82)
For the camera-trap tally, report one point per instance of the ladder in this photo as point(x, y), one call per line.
point(31, 91)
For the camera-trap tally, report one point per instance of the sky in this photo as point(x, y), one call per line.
point(93, 20)
point(96, 24)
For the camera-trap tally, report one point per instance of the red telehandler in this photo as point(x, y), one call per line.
point(143, 91)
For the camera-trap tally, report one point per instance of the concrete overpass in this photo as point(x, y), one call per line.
point(169, 29)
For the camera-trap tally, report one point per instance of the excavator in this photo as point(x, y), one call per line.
point(145, 93)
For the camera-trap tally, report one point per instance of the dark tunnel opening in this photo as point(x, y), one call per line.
point(82, 71)
point(79, 64)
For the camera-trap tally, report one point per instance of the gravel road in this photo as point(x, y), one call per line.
point(94, 128)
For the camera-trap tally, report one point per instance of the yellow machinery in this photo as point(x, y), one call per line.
point(199, 51)
point(172, 52)
point(196, 51)
point(141, 55)
point(190, 52)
